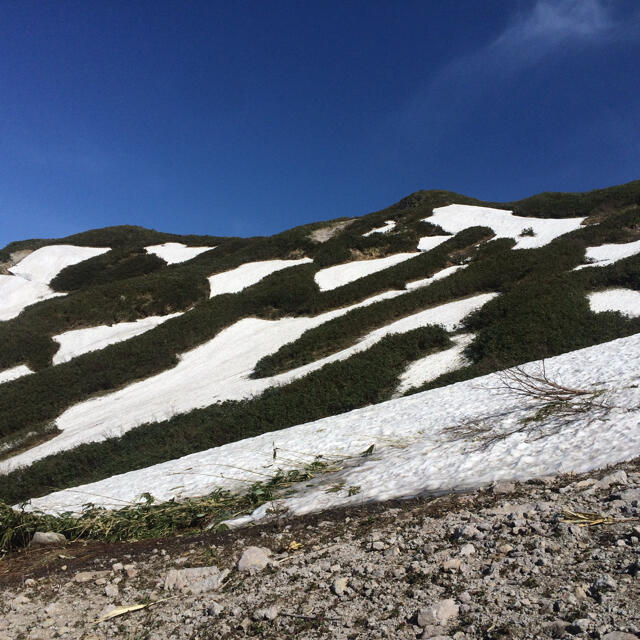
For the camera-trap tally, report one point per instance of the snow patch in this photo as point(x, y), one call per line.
point(44, 264)
point(443, 273)
point(431, 242)
point(31, 276)
point(17, 293)
point(75, 343)
point(248, 274)
point(419, 443)
point(456, 217)
point(626, 301)
point(14, 373)
point(174, 252)
point(341, 274)
point(433, 366)
point(607, 254)
point(388, 225)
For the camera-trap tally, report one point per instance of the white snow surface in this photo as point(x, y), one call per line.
point(456, 217)
point(14, 373)
point(17, 293)
point(417, 450)
point(626, 301)
point(432, 366)
point(44, 264)
point(388, 225)
point(248, 274)
point(75, 343)
point(607, 254)
point(443, 273)
point(31, 276)
point(431, 242)
point(219, 370)
point(174, 252)
point(341, 274)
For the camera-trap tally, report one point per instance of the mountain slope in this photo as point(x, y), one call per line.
point(212, 340)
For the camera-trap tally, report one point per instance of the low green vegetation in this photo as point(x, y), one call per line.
point(148, 518)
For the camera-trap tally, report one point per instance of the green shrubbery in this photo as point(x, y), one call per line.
point(117, 264)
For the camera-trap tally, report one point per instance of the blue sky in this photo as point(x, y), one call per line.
point(249, 117)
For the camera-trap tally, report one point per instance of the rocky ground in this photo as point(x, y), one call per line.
point(495, 563)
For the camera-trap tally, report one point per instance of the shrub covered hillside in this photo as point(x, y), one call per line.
point(175, 344)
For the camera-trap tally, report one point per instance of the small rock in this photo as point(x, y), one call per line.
point(88, 576)
point(195, 580)
point(439, 613)
point(453, 564)
point(111, 590)
point(556, 629)
point(339, 586)
point(500, 488)
point(618, 477)
point(42, 539)
point(619, 635)
point(118, 566)
point(214, 609)
point(268, 613)
point(579, 626)
point(467, 550)
point(254, 559)
point(604, 583)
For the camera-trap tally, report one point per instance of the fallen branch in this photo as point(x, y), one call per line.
point(583, 519)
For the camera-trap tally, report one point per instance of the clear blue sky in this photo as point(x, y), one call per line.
point(249, 117)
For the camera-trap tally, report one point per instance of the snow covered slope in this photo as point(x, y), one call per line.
point(44, 264)
point(14, 373)
point(219, 370)
point(31, 276)
point(341, 274)
point(457, 217)
point(16, 293)
point(607, 254)
point(388, 226)
point(456, 437)
point(75, 343)
point(247, 274)
point(175, 252)
point(626, 301)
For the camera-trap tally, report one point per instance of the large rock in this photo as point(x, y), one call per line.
point(44, 538)
point(254, 559)
point(195, 580)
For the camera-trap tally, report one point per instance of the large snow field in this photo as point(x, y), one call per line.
point(443, 273)
point(248, 274)
point(31, 276)
point(75, 343)
point(607, 254)
point(420, 443)
point(388, 225)
point(44, 264)
point(219, 370)
point(341, 274)
point(174, 252)
point(626, 301)
point(456, 217)
point(14, 373)
point(17, 293)
point(436, 364)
